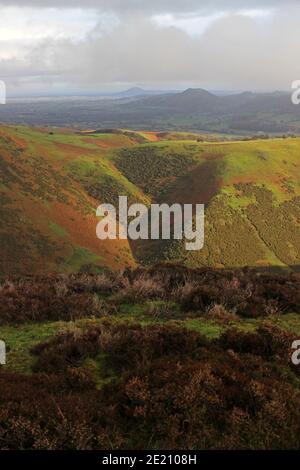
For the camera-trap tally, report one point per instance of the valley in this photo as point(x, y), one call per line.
point(201, 339)
point(52, 181)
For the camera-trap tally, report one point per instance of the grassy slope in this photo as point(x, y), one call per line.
point(254, 218)
point(52, 183)
point(48, 217)
point(251, 191)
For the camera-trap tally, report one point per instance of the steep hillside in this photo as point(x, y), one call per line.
point(251, 191)
point(47, 211)
point(53, 181)
point(253, 208)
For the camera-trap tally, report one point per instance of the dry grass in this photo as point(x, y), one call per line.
point(221, 314)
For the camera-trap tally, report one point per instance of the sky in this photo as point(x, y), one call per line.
point(90, 46)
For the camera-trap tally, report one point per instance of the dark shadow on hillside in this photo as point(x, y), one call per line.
point(198, 186)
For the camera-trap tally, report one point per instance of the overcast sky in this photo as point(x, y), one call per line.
point(70, 45)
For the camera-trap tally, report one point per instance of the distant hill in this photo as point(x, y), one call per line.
point(188, 101)
point(199, 109)
point(192, 110)
point(137, 92)
point(200, 101)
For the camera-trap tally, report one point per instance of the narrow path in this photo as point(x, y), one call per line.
point(265, 243)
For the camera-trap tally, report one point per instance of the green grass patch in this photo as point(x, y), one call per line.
point(208, 328)
point(20, 339)
point(80, 257)
point(57, 229)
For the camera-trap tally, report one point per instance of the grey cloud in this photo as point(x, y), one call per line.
point(235, 52)
point(152, 6)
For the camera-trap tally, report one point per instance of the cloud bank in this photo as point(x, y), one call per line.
point(232, 44)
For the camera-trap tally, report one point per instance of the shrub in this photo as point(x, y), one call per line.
point(267, 342)
point(220, 314)
point(176, 390)
point(245, 292)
